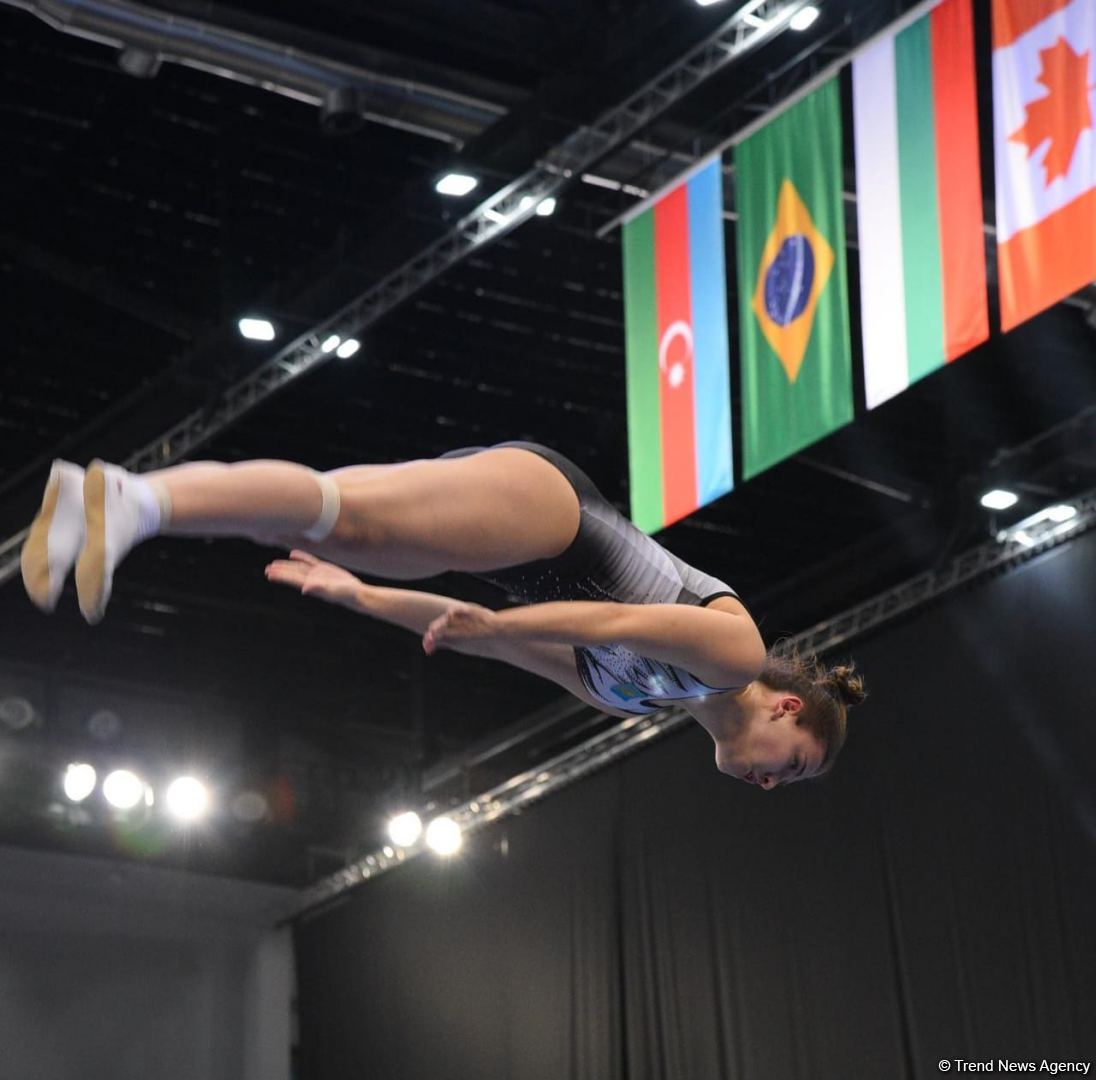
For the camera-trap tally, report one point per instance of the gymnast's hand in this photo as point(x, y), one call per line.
point(462, 622)
point(313, 577)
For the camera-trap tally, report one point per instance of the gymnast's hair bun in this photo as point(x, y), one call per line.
point(845, 684)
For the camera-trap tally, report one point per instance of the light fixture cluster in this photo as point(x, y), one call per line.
point(544, 208)
point(1043, 526)
point(255, 328)
point(187, 799)
point(443, 835)
point(1046, 524)
point(342, 348)
point(458, 184)
point(802, 18)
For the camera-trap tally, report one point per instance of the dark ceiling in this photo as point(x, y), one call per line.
point(141, 217)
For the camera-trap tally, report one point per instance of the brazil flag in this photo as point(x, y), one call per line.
point(793, 294)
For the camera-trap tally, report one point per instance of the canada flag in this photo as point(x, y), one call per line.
point(1044, 118)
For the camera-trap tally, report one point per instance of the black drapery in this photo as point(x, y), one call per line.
point(935, 898)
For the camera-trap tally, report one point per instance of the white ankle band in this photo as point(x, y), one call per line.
point(329, 511)
point(163, 497)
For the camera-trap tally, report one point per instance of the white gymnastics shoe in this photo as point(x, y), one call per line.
point(55, 537)
point(120, 510)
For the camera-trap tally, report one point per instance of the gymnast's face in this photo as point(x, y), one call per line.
point(770, 748)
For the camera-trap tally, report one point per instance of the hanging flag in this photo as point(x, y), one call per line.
point(679, 393)
point(1044, 102)
point(918, 200)
point(793, 295)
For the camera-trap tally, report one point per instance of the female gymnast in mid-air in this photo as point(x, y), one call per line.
point(610, 615)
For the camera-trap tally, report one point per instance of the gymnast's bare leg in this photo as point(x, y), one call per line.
point(497, 508)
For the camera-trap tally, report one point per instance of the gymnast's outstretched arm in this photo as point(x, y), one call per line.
point(722, 648)
point(407, 608)
point(416, 611)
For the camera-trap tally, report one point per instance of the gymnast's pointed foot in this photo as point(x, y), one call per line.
point(55, 535)
point(120, 510)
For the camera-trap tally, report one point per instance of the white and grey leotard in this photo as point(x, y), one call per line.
point(610, 559)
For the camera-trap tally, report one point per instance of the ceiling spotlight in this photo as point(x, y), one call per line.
point(803, 18)
point(187, 798)
point(348, 348)
point(1060, 513)
point(456, 184)
point(330, 343)
point(256, 329)
point(999, 499)
point(404, 829)
point(707, 3)
point(443, 836)
point(545, 208)
point(123, 789)
point(79, 781)
point(1050, 522)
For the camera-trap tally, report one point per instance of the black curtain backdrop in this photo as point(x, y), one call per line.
point(935, 898)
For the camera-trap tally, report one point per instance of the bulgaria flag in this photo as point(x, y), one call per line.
point(918, 200)
point(679, 394)
point(1044, 101)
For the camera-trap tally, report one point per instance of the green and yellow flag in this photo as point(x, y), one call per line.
point(793, 292)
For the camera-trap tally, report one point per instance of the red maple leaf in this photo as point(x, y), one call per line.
point(1063, 114)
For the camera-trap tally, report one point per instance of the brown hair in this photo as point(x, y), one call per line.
point(827, 693)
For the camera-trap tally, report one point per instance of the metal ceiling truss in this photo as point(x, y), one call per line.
point(345, 92)
point(753, 24)
point(1036, 534)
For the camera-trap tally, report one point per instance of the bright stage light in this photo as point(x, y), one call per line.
point(456, 184)
point(545, 208)
point(707, 3)
point(443, 836)
point(405, 829)
point(999, 499)
point(256, 329)
point(123, 789)
point(187, 798)
point(330, 344)
point(803, 18)
point(1060, 513)
point(1045, 524)
point(348, 348)
point(79, 781)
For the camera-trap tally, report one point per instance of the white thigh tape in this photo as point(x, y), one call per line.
point(329, 512)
